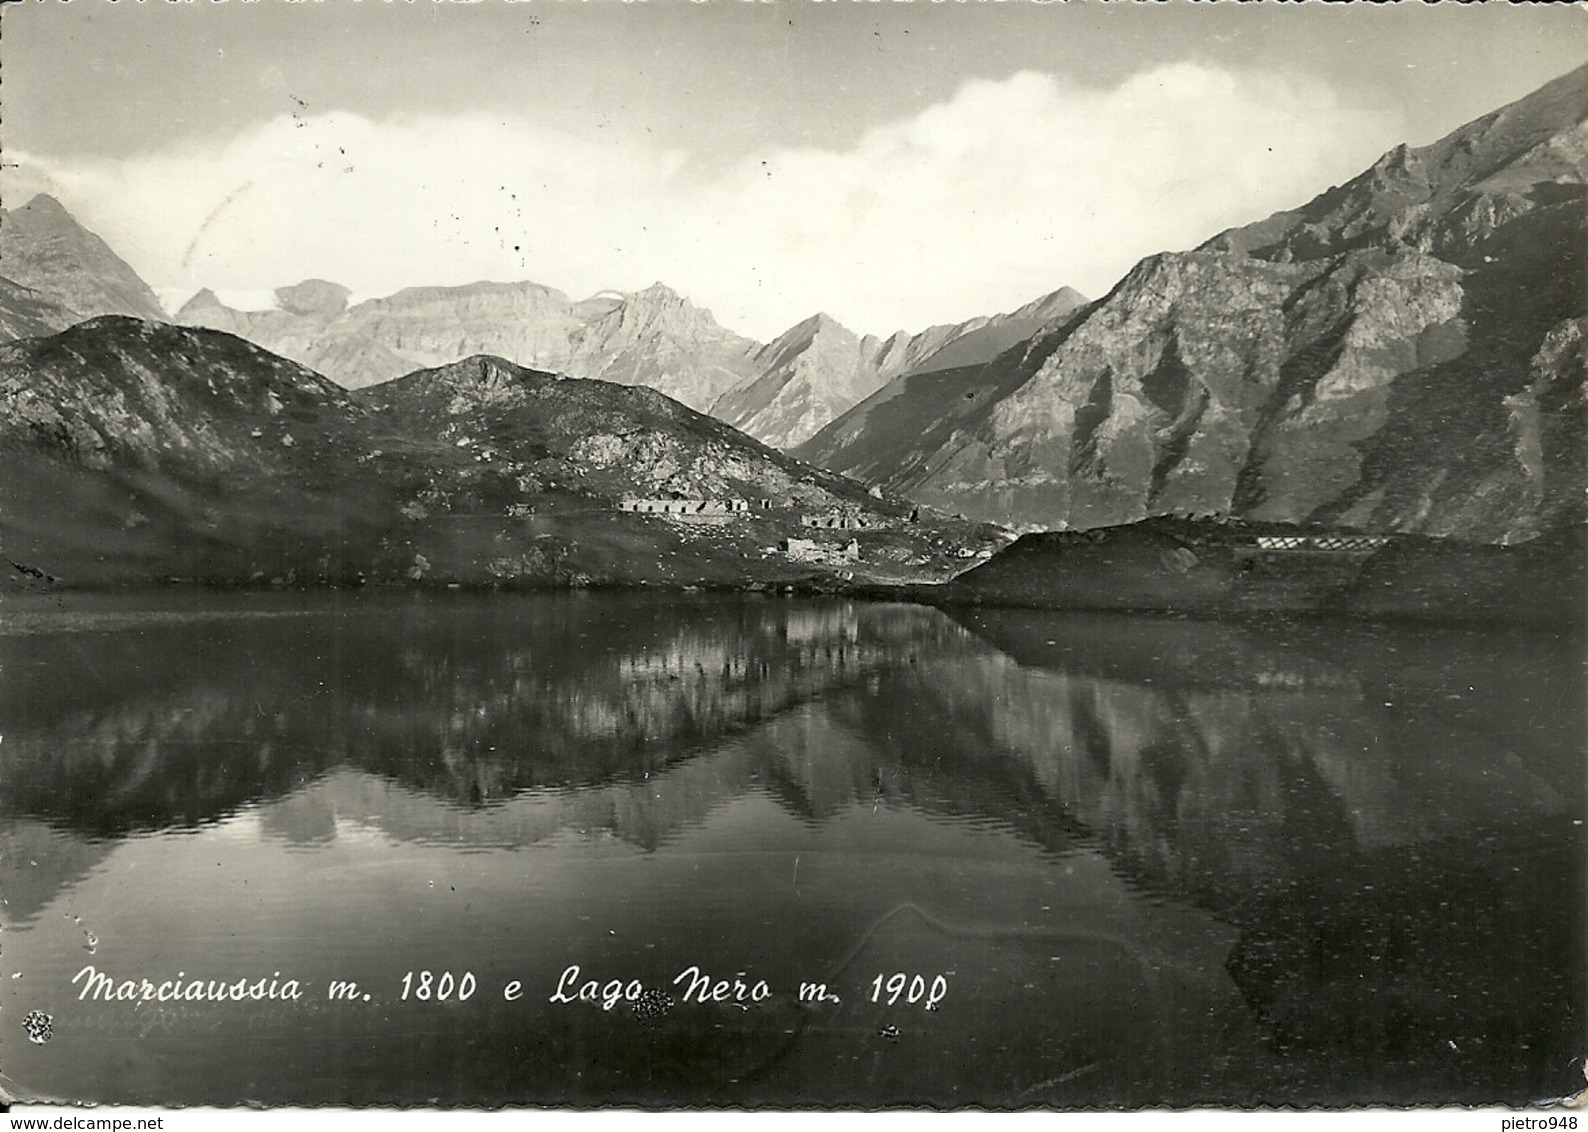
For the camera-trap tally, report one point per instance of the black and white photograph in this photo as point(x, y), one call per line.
point(797, 555)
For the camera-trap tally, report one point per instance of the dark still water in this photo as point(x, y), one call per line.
point(1133, 862)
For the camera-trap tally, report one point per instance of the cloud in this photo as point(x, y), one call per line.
point(1007, 189)
point(1012, 188)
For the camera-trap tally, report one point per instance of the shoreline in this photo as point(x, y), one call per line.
point(1162, 567)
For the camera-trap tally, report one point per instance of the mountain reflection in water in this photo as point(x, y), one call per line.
point(1156, 861)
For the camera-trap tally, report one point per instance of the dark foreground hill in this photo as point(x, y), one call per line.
point(136, 451)
point(1203, 568)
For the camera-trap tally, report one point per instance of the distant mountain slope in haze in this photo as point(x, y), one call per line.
point(43, 248)
point(811, 374)
point(978, 344)
point(780, 393)
point(900, 432)
point(657, 337)
point(817, 370)
point(292, 328)
point(653, 337)
point(1405, 352)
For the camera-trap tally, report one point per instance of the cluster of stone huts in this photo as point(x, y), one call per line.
point(827, 521)
point(684, 506)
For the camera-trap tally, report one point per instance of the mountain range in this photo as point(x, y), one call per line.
point(653, 337)
point(779, 393)
point(1403, 353)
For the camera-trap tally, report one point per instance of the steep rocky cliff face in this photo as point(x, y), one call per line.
point(1403, 353)
point(901, 433)
point(44, 249)
point(26, 313)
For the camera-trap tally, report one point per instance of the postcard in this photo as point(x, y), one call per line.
point(811, 554)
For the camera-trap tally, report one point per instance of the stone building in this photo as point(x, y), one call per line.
point(835, 521)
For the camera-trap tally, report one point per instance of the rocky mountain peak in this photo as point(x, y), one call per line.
point(824, 323)
point(660, 302)
point(313, 298)
point(809, 374)
point(808, 330)
point(473, 383)
point(202, 300)
point(44, 206)
point(1443, 196)
point(659, 292)
point(44, 248)
point(484, 375)
point(1055, 304)
point(657, 337)
point(660, 307)
point(1397, 161)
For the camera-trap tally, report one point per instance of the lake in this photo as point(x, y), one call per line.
point(809, 851)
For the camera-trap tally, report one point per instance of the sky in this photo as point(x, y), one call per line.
point(894, 163)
